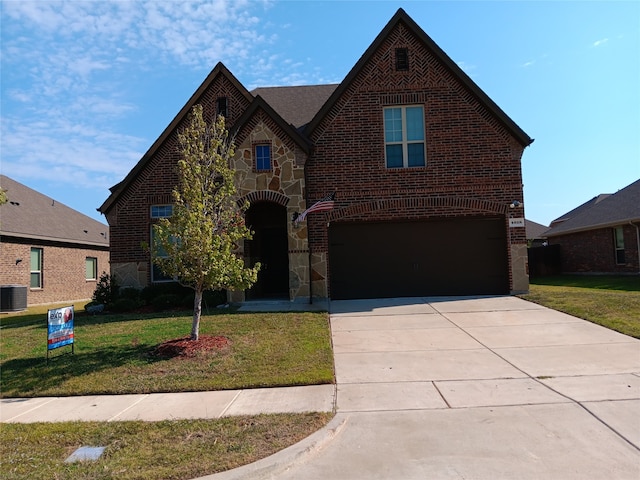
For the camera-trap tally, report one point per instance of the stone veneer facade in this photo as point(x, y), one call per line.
point(284, 185)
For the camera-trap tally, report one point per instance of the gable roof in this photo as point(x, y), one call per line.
point(259, 103)
point(299, 104)
point(534, 230)
point(219, 69)
point(30, 214)
point(602, 211)
point(401, 16)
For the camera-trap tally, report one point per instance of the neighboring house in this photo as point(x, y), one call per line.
point(48, 250)
point(535, 233)
point(601, 235)
point(424, 165)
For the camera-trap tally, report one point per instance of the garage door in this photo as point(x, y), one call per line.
point(407, 259)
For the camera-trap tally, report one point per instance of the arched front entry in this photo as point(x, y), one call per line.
point(269, 246)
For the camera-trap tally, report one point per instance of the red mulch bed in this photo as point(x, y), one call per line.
point(186, 348)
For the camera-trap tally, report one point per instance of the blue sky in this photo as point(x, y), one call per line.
point(87, 86)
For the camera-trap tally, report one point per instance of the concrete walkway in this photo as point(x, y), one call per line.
point(471, 388)
point(434, 388)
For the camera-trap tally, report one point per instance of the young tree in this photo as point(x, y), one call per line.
point(197, 243)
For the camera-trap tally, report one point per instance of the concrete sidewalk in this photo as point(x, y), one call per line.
point(473, 388)
point(168, 406)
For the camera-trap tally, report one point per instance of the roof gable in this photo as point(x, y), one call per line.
point(297, 105)
point(218, 70)
point(602, 211)
point(30, 214)
point(260, 104)
point(401, 17)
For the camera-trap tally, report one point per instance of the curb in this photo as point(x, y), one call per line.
point(283, 460)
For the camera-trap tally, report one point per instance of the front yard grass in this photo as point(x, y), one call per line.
point(610, 301)
point(177, 450)
point(114, 355)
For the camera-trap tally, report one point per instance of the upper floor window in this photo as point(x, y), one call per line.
point(618, 238)
point(161, 211)
point(91, 268)
point(402, 59)
point(221, 106)
point(404, 137)
point(36, 268)
point(263, 157)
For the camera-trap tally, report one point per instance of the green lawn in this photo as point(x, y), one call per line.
point(610, 301)
point(114, 354)
point(177, 450)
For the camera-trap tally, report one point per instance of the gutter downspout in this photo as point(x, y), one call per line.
point(638, 240)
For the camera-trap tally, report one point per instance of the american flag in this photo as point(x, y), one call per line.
point(321, 205)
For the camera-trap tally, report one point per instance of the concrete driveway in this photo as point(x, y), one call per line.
point(473, 388)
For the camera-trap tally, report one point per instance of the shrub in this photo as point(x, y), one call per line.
point(166, 301)
point(125, 305)
point(106, 290)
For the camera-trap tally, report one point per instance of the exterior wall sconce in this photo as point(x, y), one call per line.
point(18, 260)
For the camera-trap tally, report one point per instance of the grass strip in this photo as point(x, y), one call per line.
point(175, 450)
point(613, 302)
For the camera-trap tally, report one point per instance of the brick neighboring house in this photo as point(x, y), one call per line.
point(601, 235)
point(424, 165)
point(55, 253)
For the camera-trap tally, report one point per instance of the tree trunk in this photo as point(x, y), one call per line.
point(197, 310)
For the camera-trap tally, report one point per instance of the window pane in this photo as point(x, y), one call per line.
point(161, 211)
point(35, 259)
point(394, 156)
point(35, 280)
point(393, 125)
point(90, 268)
point(415, 123)
point(619, 234)
point(263, 157)
point(416, 154)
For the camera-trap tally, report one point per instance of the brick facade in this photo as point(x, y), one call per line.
point(473, 154)
point(63, 269)
point(472, 162)
point(593, 251)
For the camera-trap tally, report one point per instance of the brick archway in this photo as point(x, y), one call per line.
point(264, 196)
point(422, 202)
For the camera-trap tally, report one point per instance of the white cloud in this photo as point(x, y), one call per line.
point(72, 72)
point(600, 42)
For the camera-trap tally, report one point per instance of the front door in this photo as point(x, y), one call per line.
point(269, 246)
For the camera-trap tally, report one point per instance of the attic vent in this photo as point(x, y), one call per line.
point(221, 106)
point(402, 59)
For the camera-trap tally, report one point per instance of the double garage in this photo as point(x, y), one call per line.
point(424, 258)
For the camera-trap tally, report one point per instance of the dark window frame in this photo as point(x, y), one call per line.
point(258, 160)
point(618, 245)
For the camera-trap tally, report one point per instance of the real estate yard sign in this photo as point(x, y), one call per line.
point(59, 328)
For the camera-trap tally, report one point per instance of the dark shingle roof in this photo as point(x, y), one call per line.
point(30, 214)
point(603, 211)
point(296, 105)
point(534, 230)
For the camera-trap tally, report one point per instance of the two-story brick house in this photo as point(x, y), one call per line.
point(425, 167)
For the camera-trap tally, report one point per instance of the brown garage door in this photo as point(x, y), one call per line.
point(406, 259)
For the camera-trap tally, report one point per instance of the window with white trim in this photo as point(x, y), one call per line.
point(404, 144)
point(161, 211)
point(36, 268)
